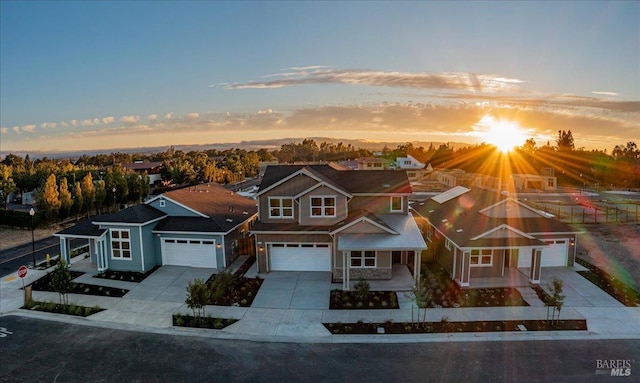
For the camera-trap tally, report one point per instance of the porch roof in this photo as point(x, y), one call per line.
point(408, 237)
point(85, 229)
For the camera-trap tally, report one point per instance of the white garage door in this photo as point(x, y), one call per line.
point(189, 252)
point(300, 257)
point(555, 254)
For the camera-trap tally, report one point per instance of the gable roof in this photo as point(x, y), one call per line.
point(214, 201)
point(461, 221)
point(85, 229)
point(361, 216)
point(136, 214)
point(351, 181)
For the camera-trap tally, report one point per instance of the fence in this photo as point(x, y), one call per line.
point(596, 212)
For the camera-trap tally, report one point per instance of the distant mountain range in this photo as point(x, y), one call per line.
point(271, 144)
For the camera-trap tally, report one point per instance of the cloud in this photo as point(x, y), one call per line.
point(605, 93)
point(129, 119)
point(4, 130)
point(74, 122)
point(29, 128)
point(16, 129)
point(192, 116)
point(86, 123)
point(108, 120)
point(168, 116)
point(152, 117)
point(48, 125)
point(64, 124)
point(448, 80)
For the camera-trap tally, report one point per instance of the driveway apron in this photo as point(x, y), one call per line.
point(307, 290)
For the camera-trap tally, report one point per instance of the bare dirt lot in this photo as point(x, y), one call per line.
point(614, 248)
point(12, 236)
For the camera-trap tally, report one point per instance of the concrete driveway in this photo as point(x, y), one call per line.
point(168, 284)
point(578, 291)
point(308, 290)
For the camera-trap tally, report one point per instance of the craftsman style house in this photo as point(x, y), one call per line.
point(479, 234)
point(199, 226)
point(355, 224)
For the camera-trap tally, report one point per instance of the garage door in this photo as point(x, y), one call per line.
point(555, 254)
point(189, 252)
point(300, 257)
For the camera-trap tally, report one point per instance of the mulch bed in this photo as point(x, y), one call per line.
point(207, 322)
point(346, 300)
point(44, 284)
point(127, 276)
point(241, 294)
point(447, 293)
point(57, 308)
point(609, 284)
point(454, 327)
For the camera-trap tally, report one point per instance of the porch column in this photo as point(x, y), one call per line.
point(465, 269)
point(64, 250)
point(534, 273)
point(346, 261)
point(417, 257)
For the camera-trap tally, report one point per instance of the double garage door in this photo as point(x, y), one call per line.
point(300, 257)
point(189, 252)
point(554, 255)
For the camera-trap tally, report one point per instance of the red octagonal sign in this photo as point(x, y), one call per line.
point(22, 271)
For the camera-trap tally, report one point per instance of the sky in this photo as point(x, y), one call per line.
point(104, 75)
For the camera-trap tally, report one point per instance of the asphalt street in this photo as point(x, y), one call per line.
point(11, 259)
point(37, 350)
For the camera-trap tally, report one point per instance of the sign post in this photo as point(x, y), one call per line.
point(22, 272)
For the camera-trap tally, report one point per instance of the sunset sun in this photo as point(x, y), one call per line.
point(504, 135)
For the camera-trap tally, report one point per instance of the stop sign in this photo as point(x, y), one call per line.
point(22, 271)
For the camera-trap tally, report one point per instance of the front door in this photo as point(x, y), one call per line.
point(396, 256)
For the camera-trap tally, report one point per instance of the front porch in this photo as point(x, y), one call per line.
point(401, 280)
point(512, 277)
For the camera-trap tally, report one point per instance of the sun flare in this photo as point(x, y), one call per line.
point(505, 135)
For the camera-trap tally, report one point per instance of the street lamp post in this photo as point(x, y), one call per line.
point(241, 180)
point(114, 199)
point(33, 240)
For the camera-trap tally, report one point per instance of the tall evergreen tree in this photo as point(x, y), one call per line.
point(88, 193)
point(66, 202)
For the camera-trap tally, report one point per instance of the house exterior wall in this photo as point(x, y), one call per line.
point(375, 204)
point(383, 269)
point(290, 188)
point(489, 271)
point(231, 242)
point(152, 256)
point(305, 208)
point(133, 264)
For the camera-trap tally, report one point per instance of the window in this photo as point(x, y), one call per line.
point(447, 244)
point(162, 203)
point(550, 183)
point(407, 162)
point(363, 259)
point(280, 207)
point(120, 244)
point(481, 258)
point(323, 206)
point(396, 204)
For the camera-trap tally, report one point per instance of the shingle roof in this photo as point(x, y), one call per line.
point(224, 208)
point(460, 220)
point(353, 181)
point(84, 229)
point(134, 214)
point(191, 224)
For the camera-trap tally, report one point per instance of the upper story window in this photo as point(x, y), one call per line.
point(280, 207)
point(323, 206)
point(396, 204)
point(120, 244)
point(407, 162)
point(162, 203)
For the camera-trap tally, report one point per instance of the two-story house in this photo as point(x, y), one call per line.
point(352, 223)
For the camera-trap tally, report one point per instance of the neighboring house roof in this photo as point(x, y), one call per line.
point(215, 202)
point(193, 225)
point(460, 219)
point(352, 181)
point(84, 229)
point(134, 214)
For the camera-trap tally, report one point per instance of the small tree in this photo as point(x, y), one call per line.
point(62, 281)
point(423, 298)
point(361, 290)
point(555, 301)
point(221, 285)
point(198, 296)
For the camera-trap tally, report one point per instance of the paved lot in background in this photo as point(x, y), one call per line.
point(295, 290)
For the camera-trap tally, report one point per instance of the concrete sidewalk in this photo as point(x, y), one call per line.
point(149, 306)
